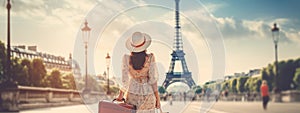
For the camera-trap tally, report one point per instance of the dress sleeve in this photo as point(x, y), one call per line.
point(125, 76)
point(153, 73)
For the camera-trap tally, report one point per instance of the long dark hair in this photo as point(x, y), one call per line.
point(137, 59)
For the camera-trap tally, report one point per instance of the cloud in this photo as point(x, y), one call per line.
point(256, 29)
point(52, 11)
point(293, 36)
point(227, 21)
point(212, 7)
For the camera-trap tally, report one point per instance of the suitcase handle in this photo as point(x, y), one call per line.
point(123, 99)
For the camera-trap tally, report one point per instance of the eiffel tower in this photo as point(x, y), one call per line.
point(178, 55)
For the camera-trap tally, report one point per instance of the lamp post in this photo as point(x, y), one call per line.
point(107, 65)
point(8, 66)
point(275, 36)
point(85, 36)
point(8, 88)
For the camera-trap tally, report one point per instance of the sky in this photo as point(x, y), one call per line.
point(221, 37)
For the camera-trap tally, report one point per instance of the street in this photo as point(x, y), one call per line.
point(190, 107)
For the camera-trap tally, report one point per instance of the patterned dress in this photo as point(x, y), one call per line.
point(139, 85)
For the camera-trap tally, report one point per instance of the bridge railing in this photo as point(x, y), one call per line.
point(37, 94)
point(36, 97)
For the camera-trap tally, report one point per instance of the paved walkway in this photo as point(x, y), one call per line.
point(189, 107)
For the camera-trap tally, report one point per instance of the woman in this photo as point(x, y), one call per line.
point(139, 75)
point(264, 89)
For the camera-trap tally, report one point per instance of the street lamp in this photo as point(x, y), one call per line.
point(8, 88)
point(8, 65)
point(107, 65)
point(85, 36)
point(275, 36)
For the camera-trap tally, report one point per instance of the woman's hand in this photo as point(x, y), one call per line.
point(120, 97)
point(157, 103)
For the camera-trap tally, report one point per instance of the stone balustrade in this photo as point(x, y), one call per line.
point(37, 94)
point(290, 96)
point(24, 97)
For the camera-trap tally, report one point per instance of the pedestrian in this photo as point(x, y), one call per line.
point(208, 92)
point(171, 99)
point(139, 75)
point(226, 93)
point(184, 97)
point(264, 89)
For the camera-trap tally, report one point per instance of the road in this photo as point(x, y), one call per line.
point(190, 107)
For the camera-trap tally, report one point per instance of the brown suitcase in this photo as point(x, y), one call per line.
point(112, 107)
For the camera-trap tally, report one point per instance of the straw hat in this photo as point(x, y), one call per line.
point(138, 42)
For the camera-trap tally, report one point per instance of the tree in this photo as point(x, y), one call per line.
point(197, 89)
point(286, 74)
point(2, 61)
point(268, 75)
point(297, 78)
point(161, 90)
point(55, 79)
point(253, 84)
point(225, 85)
point(69, 81)
point(37, 73)
point(233, 85)
point(19, 73)
point(240, 86)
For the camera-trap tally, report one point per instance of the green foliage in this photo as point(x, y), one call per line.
point(19, 73)
point(232, 85)
point(69, 81)
point(297, 78)
point(55, 79)
point(32, 73)
point(289, 75)
point(2, 61)
point(225, 85)
point(253, 84)
point(161, 90)
point(268, 75)
point(240, 84)
point(197, 89)
point(286, 74)
point(37, 73)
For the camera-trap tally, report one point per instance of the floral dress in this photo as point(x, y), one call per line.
point(139, 85)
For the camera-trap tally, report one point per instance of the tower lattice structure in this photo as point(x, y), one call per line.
point(178, 54)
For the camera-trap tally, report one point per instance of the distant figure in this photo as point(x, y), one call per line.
point(264, 89)
point(225, 94)
point(184, 96)
point(254, 96)
point(248, 95)
point(171, 98)
point(208, 92)
point(216, 94)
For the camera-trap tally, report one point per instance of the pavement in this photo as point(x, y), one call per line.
point(189, 107)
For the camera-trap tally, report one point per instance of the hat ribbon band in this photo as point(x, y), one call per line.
point(140, 45)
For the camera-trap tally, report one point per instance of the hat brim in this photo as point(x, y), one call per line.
point(141, 48)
